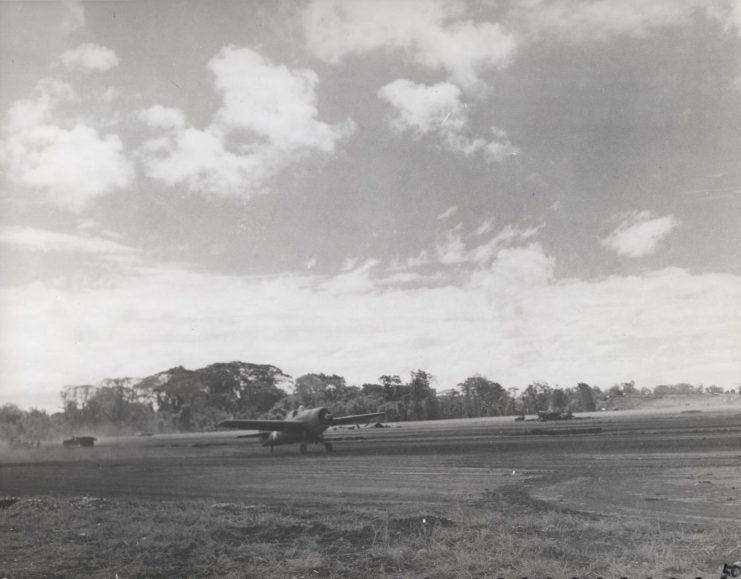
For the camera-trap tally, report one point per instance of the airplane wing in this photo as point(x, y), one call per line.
point(265, 425)
point(357, 418)
point(259, 434)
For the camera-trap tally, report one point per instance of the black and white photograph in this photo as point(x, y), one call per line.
point(444, 289)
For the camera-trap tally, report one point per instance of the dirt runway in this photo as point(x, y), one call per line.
point(681, 467)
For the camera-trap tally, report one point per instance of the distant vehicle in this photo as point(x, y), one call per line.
point(84, 441)
point(304, 425)
point(546, 415)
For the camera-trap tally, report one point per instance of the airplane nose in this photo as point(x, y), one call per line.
point(326, 417)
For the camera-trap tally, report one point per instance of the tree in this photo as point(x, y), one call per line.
point(483, 397)
point(586, 400)
point(450, 404)
point(391, 386)
point(536, 397)
point(424, 398)
point(323, 390)
point(375, 390)
point(558, 399)
point(629, 388)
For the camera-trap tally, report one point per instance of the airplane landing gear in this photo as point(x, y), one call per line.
point(328, 446)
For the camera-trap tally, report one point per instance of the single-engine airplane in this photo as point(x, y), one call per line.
point(304, 425)
point(545, 415)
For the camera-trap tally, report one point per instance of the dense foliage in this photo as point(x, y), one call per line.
point(181, 400)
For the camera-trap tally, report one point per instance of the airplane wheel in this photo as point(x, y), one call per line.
point(302, 448)
point(328, 446)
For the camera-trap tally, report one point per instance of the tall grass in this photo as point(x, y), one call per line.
point(82, 537)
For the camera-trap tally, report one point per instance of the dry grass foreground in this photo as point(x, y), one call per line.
point(504, 534)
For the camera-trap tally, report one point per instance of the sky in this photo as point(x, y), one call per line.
point(532, 190)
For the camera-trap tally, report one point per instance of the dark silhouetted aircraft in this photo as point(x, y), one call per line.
point(544, 415)
point(305, 425)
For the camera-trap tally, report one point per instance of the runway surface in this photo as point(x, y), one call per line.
point(675, 467)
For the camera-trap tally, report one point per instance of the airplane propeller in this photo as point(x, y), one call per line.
point(326, 417)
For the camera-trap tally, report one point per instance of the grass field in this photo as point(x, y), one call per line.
point(638, 496)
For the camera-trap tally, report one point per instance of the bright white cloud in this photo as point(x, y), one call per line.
point(437, 110)
point(272, 102)
point(72, 164)
point(33, 239)
point(510, 320)
point(639, 235)
point(90, 56)
point(160, 117)
point(435, 34)
point(424, 109)
point(201, 160)
point(268, 121)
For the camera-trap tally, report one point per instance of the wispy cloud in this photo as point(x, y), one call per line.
point(454, 249)
point(34, 239)
point(447, 213)
point(640, 234)
point(583, 21)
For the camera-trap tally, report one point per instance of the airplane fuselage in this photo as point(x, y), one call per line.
point(313, 421)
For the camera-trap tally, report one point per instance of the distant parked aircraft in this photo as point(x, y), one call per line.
point(304, 425)
point(554, 415)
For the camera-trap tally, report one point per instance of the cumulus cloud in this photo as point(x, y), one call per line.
point(70, 165)
point(272, 102)
point(268, 120)
point(200, 159)
point(639, 235)
point(90, 56)
point(434, 34)
point(437, 111)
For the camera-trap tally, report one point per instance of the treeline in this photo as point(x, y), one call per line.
point(181, 400)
